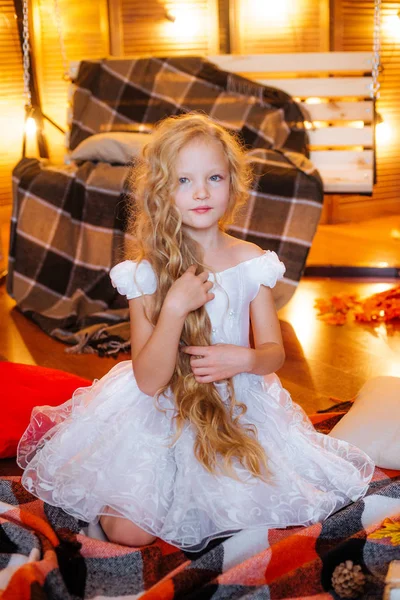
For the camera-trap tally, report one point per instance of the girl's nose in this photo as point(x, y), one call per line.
point(201, 192)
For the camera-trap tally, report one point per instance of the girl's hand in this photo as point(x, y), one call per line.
point(218, 362)
point(189, 292)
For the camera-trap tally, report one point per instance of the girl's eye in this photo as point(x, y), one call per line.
point(215, 177)
point(183, 179)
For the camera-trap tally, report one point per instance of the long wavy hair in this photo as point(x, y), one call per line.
point(157, 236)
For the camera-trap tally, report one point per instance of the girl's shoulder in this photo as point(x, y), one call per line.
point(262, 266)
point(133, 279)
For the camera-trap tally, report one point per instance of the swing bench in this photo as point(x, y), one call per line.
point(334, 93)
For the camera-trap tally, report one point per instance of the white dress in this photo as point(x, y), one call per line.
point(109, 446)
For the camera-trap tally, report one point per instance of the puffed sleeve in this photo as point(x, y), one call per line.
point(267, 269)
point(134, 279)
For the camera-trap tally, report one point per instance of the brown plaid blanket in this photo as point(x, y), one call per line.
point(68, 222)
point(44, 553)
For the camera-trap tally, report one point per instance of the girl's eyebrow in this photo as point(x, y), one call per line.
point(217, 169)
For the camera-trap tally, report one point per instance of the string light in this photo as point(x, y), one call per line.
point(30, 126)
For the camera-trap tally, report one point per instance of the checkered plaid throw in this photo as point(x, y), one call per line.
point(44, 553)
point(68, 222)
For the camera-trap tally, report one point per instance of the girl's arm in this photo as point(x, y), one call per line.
point(154, 349)
point(268, 354)
point(221, 361)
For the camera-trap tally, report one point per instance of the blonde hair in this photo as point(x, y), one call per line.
point(155, 225)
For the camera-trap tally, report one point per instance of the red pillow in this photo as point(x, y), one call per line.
point(22, 388)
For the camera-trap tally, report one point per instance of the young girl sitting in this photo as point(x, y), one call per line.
point(194, 438)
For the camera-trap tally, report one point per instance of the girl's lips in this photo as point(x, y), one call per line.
point(201, 210)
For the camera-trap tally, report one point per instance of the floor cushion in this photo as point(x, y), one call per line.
point(23, 388)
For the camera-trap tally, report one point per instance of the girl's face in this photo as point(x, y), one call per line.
point(202, 189)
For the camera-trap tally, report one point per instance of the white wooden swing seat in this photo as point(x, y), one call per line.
point(333, 89)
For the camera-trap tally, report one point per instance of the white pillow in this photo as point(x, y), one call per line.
point(373, 422)
point(112, 147)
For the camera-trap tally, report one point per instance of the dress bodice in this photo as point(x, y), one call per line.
point(234, 290)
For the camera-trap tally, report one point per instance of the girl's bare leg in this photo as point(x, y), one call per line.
point(122, 531)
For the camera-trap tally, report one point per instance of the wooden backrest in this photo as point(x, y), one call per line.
point(333, 90)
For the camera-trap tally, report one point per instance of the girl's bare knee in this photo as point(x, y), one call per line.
point(122, 531)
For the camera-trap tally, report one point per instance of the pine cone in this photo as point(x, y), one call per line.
point(348, 580)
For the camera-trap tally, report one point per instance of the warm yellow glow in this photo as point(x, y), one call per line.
point(30, 126)
point(383, 133)
point(313, 101)
point(356, 124)
point(391, 26)
point(300, 313)
point(272, 11)
point(308, 125)
point(320, 124)
point(185, 22)
point(393, 368)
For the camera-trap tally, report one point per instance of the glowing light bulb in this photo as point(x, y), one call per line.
point(356, 124)
point(313, 100)
point(30, 126)
point(183, 22)
point(391, 25)
point(383, 133)
point(276, 13)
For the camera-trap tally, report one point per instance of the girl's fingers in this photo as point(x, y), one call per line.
point(203, 276)
point(195, 350)
point(201, 371)
point(199, 362)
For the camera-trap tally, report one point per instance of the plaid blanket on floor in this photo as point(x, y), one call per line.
point(44, 553)
point(68, 222)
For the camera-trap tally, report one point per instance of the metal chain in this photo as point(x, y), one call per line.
point(57, 15)
point(376, 59)
point(25, 50)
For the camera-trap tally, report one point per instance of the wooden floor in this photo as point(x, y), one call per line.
point(322, 361)
point(372, 243)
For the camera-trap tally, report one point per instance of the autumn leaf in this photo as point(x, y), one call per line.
point(382, 307)
point(390, 530)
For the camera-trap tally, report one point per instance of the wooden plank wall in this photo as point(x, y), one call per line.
point(353, 31)
point(147, 31)
point(11, 98)
point(86, 34)
point(279, 26)
point(137, 27)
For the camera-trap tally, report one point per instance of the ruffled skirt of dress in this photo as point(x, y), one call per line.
point(109, 446)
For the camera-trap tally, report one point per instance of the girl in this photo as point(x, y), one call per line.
point(195, 438)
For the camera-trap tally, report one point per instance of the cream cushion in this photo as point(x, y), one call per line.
point(113, 147)
point(373, 422)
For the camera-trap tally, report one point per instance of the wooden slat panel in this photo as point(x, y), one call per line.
point(148, 32)
point(339, 111)
point(341, 136)
point(333, 87)
point(11, 98)
point(345, 171)
point(353, 32)
point(90, 19)
point(300, 62)
point(337, 186)
point(343, 158)
point(264, 26)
